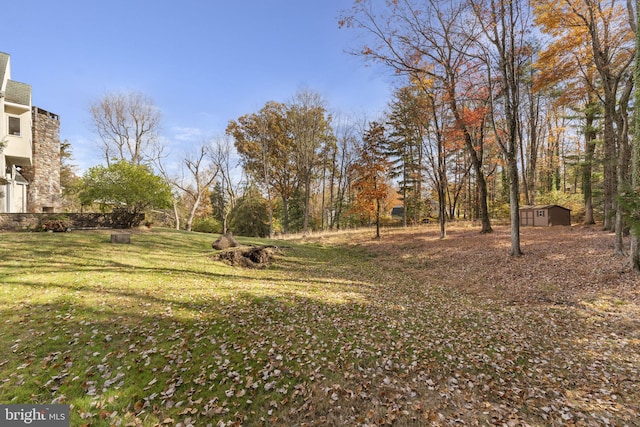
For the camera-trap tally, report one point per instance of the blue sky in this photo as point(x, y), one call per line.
point(203, 62)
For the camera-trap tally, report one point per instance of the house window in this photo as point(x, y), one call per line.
point(540, 213)
point(14, 126)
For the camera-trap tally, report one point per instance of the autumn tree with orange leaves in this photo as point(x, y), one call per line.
point(563, 69)
point(371, 171)
point(600, 34)
point(433, 42)
point(264, 145)
point(634, 252)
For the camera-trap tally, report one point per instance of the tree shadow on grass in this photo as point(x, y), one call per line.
point(340, 338)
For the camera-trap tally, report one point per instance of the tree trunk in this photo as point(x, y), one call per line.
point(634, 250)
point(419, 177)
point(176, 215)
point(378, 208)
point(610, 161)
point(622, 183)
point(307, 204)
point(442, 217)
point(285, 215)
point(192, 212)
point(481, 182)
point(441, 184)
point(533, 153)
point(622, 171)
point(270, 210)
point(332, 181)
point(529, 167)
point(587, 169)
point(405, 206)
point(525, 174)
point(514, 204)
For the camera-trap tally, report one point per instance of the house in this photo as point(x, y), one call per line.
point(545, 215)
point(29, 149)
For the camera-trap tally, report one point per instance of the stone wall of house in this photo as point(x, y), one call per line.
point(44, 192)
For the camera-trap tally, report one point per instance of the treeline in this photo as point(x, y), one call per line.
point(497, 104)
point(531, 96)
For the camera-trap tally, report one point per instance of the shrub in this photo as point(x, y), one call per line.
point(58, 224)
point(128, 188)
point(207, 225)
point(629, 200)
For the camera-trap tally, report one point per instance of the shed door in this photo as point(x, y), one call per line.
point(541, 217)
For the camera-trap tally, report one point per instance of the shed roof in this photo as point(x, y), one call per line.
point(534, 207)
point(397, 210)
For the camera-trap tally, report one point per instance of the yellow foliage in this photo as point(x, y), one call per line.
point(586, 34)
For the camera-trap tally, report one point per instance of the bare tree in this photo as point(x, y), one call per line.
point(128, 125)
point(201, 175)
point(220, 153)
point(504, 24)
point(428, 41)
point(160, 165)
point(312, 137)
point(342, 157)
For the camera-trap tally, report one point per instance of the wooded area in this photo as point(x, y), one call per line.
point(499, 104)
point(496, 105)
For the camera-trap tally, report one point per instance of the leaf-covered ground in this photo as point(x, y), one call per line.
point(409, 330)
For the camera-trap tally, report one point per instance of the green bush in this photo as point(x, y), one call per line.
point(249, 216)
point(500, 211)
point(207, 225)
point(629, 201)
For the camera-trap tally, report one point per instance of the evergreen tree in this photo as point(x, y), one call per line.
point(248, 218)
point(408, 112)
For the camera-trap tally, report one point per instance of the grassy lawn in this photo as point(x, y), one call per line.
point(337, 330)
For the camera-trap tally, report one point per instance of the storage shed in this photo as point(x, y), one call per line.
point(397, 212)
point(543, 216)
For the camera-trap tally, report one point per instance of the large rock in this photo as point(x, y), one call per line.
point(225, 241)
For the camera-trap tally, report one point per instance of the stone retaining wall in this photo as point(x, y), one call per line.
point(76, 221)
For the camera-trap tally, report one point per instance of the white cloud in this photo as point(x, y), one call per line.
point(186, 134)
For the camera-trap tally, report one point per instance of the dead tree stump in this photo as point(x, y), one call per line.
point(121, 238)
point(252, 257)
